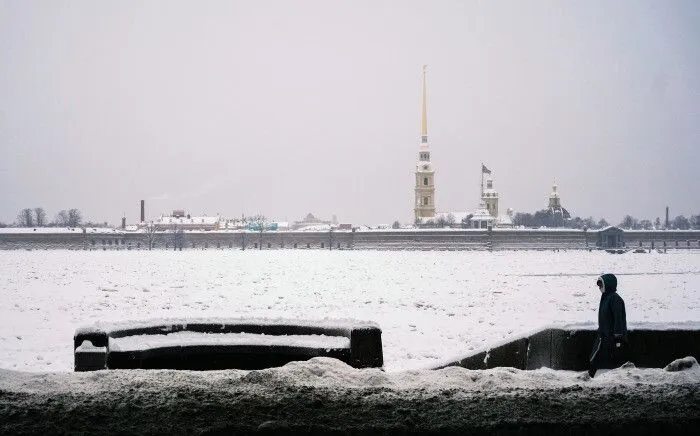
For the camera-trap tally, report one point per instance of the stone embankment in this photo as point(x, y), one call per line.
point(423, 239)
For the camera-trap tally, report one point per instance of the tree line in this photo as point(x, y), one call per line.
point(36, 217)
point(544, 218)
point(678, 223)
point(440, 222)
point(547, 218)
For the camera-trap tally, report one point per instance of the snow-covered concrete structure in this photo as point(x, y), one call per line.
point(568, 347)
point(224, 343)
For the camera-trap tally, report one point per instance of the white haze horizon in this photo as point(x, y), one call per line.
point(285, 108)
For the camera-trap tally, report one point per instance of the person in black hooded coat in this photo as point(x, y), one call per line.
point(610, 347)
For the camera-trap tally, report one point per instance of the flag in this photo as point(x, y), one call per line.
point(485, 170)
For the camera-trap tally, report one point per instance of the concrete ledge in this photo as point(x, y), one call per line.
point(569, 349)
point(95, 347)
point(512, 354)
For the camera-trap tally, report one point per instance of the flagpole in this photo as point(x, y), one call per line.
point(482, 181)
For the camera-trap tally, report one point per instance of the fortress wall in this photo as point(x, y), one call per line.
point(257, 241)
point(42, 241)
point(464, 239)
point(539, 239)
point(662, 238)
point(426, 240)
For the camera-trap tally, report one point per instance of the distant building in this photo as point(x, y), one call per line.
point(611, 237)
point(233, 224)
point(179, 221)
point(245, 224)
point(425, 173)
point(311, 222)
point(282, 225)
point(482, 218)
point(505, 221)
point(489, 201)
point(485, 216)
point(558, 214)
point(258, 226)
point(489, 197)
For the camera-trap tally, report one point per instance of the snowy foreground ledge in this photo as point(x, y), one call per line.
point(326, 395)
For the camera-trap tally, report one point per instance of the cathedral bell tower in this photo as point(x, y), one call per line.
point(554, 200)
point(489, 197)
point(425, 174)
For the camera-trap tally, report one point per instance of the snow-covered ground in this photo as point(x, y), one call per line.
point(431, 306)
point(326, 396)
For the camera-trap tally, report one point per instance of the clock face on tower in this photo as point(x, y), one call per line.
point(425, 167)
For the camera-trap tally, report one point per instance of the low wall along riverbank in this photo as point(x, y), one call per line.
point(414, 239)
point(569, 348)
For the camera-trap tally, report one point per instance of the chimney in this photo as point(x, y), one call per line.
point(666, 216)
point(143, 211)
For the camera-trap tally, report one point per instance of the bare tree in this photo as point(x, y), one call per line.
point(646, 224)
point(258, 223)
point(441, 221)
point(150, 229)
point(61, 219)
point(74, 218)
point(177, 238)
point(681, 223)
point(695, 222)
point(466, 220)
point(25, 218)
point(450, 219)
point(629, 222)
point(589, 223)
point(40, 215)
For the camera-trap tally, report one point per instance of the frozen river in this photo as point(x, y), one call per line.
point(431, 306)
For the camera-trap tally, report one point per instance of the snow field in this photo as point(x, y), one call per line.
point(431, 306)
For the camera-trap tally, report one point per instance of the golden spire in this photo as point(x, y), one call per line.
point(424, 115)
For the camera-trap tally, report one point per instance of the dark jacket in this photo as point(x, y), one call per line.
point(610, 347)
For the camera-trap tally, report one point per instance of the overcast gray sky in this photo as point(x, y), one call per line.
point(289, 107)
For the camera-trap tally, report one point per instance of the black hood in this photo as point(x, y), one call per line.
point(610, 282)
